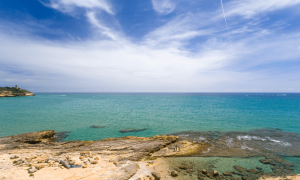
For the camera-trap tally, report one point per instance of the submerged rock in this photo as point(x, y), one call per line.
point(215, 173)
point(227, 173)
point(97, 126)
point(131, 130)
point(265, 161)
point(174, 173)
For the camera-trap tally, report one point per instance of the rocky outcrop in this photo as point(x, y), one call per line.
point(30, 138)
point(14, 92)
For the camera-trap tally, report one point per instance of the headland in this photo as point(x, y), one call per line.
point(14, 92)
point(38, 155)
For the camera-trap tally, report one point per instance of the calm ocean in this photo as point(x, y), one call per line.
point(160, 113)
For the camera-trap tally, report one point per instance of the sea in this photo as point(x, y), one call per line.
point(152, 113)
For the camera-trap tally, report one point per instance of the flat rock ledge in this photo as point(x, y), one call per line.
point(37, 155)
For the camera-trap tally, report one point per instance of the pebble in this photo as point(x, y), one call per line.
point(174, 173)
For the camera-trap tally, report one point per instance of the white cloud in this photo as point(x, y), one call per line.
point(68, 5)
point(250, 8)
point(103, 29)
point(179, 30)
point(164, 6)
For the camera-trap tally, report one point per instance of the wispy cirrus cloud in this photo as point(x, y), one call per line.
point(251, 8)
point(164, 6)
point(69, 5)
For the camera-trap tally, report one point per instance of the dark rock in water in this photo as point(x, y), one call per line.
point(215, 173)
point(174, 173)
point(279, 160)
point(97, 126)
point(259, 168)
point(246, 178)
point(239, 169)
point(190, 171)
point(227, 173)
point(131, 130)
point(200, 177)
point(182, 167)
point(156, 176)
point(265, 161)
point(253, 171)
point(233, 178)
point(204, 171)
point(61, 136)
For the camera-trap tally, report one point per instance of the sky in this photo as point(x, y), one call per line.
point(150, 45)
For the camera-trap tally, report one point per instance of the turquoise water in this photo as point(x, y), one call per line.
point(160, 113)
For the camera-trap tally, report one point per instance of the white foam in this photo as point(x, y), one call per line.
point(279, 142)
point(202, 139)
point(249, 138)
point(246, 147)
point(229, 142)
point(209, 149)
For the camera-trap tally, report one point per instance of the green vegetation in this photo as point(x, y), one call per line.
point(13, 90)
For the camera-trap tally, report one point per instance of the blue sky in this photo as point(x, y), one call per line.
point(150, 45)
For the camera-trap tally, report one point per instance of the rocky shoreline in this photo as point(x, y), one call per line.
point(37, 155)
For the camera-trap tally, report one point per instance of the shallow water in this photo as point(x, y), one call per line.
point(218, 163)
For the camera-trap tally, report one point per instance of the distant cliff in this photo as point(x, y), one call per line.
point(13, 92)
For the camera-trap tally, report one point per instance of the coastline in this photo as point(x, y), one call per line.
point(37, 155)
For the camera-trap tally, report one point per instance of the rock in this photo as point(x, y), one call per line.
point(55, 168)
point(204, 171)
point(84, 166)
point(72, 162)
point(131, 130)
point(85, 153)
point(265, 161)
point(97, 158)
point(190, 171)
point(182, 167)
point(33, 170)
point(174, 173)
point(246, 178)
point(239, 169)
point(259, 168)
point(124, 173)
point(97, 126)
point(94, 162)
point(81, 158)
point(215, 173)
point(253, 171)
point(34, 137)
point(227, 173)
point(200, 177)
point(38, 167)
point(156, 176)
point(52, 159)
